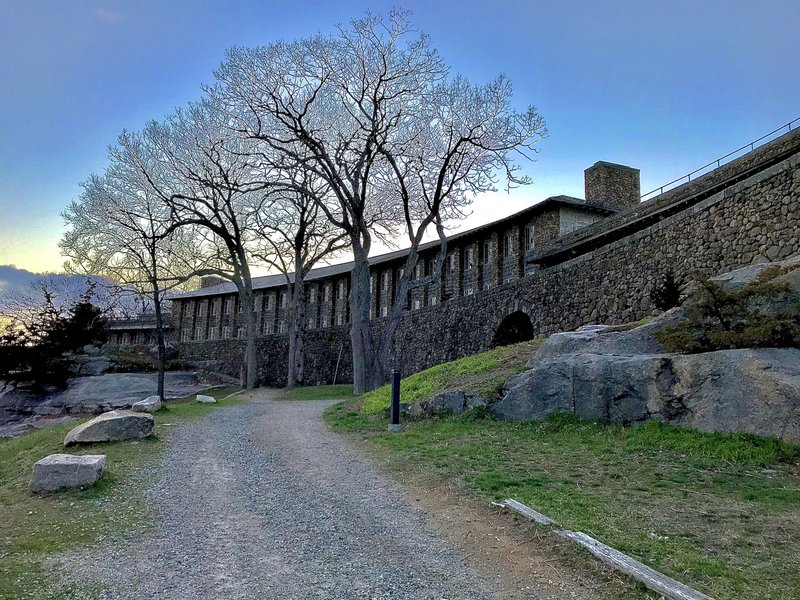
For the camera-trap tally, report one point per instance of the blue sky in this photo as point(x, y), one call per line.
point(662, 86)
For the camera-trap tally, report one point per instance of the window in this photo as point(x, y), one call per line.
point(198, 333)
point(212, 333)
point(469, 258)
point(384, 310)
point(226, 332)
point(268, 327)
point(468, 291)
point(312, 322)
point(433, 300)
point(451, 263)
point(326, 321)
point(240, 332)
point(258, 303)
point(226, 306)
point(340, 318)
point(186, 334)
point(284, 299)
point(372, 281)
point(213, 311)
point(487, 252)
point(186, 309)
point(419, 270)
point(530, 240)
point(240, 307)
point(415, 303)
point(326, 293)
point(341, 288)
point(282, 326)
point(385, 279)
point(506, 245)
point(312, 295)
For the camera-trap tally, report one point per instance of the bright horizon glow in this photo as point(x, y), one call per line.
point(663, 88)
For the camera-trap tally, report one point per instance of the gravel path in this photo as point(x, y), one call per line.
point(260, 500)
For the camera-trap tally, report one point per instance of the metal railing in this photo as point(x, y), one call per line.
point(721, 160)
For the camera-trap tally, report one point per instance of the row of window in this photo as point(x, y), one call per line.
point(419, 297)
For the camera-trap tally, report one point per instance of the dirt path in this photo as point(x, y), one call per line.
point(260, 500)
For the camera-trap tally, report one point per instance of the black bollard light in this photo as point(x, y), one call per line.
point(394, 413)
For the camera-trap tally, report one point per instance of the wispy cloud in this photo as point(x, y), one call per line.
point(106, 14)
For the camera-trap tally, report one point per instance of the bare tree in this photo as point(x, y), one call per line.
point(120, 229)
point(296, 236)
point(213, 186)
point(373, 112)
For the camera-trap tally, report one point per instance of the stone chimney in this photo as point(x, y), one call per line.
point(210, 281)
point(612, 184)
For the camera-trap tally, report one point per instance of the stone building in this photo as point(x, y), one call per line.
point(554, 266)
point(477, 260)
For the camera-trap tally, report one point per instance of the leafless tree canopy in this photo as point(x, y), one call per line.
point(402, 144)
point(300, 149)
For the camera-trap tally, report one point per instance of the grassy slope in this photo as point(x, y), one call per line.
point(484, 373)
point(719, 512)
point(31, 526)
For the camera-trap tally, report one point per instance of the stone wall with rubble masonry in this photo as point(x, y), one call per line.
point(756, 219)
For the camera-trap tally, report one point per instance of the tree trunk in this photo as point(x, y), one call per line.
point(384, 357)
point(365, 375)
point(162, 347)
point(297, 315)
point(249, 314)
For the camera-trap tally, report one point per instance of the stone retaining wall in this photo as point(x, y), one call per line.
point(754, 219)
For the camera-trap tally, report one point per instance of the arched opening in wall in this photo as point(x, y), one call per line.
point(516, 327)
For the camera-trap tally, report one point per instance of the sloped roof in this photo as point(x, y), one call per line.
point(270, 281)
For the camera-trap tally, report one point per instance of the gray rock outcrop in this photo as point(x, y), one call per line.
point(61, 471)
point(625, 377)
point(112, 426)
point(149, 405)
point(205, 399)
point(451, 402)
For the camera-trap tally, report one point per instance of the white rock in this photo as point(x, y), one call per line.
point(205, 399)
point(61, 471)
point(150, 404)
point(112, 426)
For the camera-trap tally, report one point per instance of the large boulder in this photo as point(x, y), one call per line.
point(624, 377)
point(91, 366)
point(786, 274)
point(205, 399)
point(607, 339)
point(149, 405)
point(739, 278)
point(112, 426)
point(61, 471)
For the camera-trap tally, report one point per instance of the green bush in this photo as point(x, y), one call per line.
point(747, 317)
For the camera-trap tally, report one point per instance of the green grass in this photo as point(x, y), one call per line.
point(319, 392)
point(33, 527)
point(719, 512)
point(483, 373)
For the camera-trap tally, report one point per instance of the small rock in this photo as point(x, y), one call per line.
point(61, 471)
point(149, 405)
point(444, 403)
point(205, 399)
